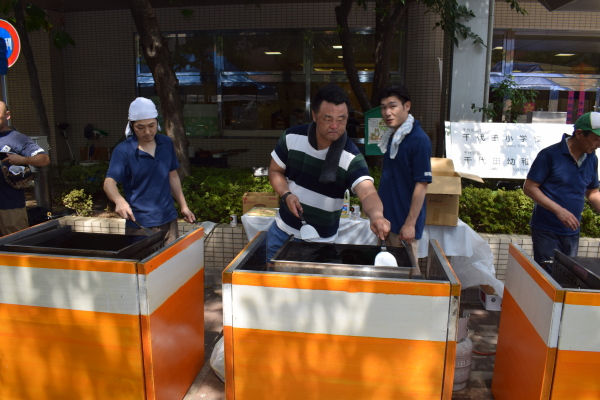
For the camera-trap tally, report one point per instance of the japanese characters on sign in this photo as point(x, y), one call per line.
point(497, 150)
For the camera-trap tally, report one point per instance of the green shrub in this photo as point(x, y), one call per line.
point(213, 194)
point(495, 211)
point(78, 201)
point(89, 178)
point(509, 211)
point(590, 222)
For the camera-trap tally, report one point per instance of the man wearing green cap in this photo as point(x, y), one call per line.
point(559, 179)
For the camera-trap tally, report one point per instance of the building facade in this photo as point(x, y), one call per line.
point(247, 72)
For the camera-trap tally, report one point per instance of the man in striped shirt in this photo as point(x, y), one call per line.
point(311, 168)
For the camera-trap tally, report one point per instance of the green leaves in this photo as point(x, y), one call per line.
point(509, 90)
point(514, 5)
point(509, 211)
point(79, 201)
point(213, 194)
point(451, 17)
point(36, 19)
point(61, 39)
point(495, 211)
point(89, 178)
point(186, 12)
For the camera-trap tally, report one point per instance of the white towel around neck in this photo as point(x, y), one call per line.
point(397, 138)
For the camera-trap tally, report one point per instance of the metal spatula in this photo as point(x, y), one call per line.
point(147, 231)
point(384, 258)
point(307, 232)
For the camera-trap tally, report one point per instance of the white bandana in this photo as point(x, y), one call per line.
point(141, 108)
point(400, 134)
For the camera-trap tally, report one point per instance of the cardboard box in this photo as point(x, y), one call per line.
point(262, 212)
point(489, 298)
point(259, 199)
point(444, 192)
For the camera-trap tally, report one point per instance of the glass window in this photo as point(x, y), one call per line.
point(189, 53)
point(556, 54)
point(497, 52)
point(267, 52)
point(200, 109)
point(192, 53)
point(327, 52)
point(239, 84)
point(356, 120)
point(253, 105)
point(573, 107)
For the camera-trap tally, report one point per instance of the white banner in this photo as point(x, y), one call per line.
point(499, 150)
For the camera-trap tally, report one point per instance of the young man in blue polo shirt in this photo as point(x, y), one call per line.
point(146, 165)
point(561, 176)
point(406, 168)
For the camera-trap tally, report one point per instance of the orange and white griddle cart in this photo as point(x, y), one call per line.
point(330, 330)
point(549, 333)
point(115, 320)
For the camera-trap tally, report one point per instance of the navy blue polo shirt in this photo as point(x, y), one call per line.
point(145, 179)
point(400, 175)
point(564, 182)
point(15, 142)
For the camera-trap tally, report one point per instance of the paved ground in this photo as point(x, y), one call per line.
point(483, 331)
point(207, 385)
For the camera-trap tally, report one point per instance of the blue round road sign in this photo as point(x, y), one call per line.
point(11, 38)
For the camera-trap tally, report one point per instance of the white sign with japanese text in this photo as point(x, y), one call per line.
point(498, 150)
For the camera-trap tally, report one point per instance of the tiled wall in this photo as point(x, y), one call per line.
point(223, 243)
point(538, 17)
point(424, 51)
point(588, 247)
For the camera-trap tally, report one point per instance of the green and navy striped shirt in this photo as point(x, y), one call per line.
point(322, 203)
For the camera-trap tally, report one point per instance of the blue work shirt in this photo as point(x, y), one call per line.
point(15, 142)
point(145, 179)
point(564, 182)
point(400, 176)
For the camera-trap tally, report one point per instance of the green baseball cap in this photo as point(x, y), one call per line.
point(589, 122)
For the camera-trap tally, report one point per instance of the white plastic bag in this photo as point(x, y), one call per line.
point(217, 359)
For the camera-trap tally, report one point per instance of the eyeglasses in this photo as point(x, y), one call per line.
point(329, 119)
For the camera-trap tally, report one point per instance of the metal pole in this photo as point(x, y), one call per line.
point(488, 56)
point(4, 91)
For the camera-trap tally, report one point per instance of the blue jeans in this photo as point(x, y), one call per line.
point(275, 239)
point(545, 242)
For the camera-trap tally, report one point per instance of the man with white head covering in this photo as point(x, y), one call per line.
point(146, 165)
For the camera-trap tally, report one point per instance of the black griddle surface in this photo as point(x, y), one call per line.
point(332, 253)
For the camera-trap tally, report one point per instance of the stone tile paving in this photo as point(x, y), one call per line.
point(483, 331)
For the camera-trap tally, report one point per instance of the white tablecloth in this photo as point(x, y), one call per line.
point(470, 256)
point(350, 231)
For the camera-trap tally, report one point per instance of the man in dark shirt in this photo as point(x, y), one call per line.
point(561, 176)
point(16, 150)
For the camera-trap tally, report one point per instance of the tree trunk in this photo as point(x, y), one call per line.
point(156, 53)
point(388, 16)
point(341, 16)
point(386, 25)
point(34, 82)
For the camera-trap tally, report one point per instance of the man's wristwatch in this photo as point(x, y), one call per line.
point(285, 195)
